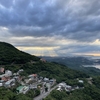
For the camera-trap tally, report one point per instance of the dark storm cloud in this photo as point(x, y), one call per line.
point(51, 23)
point(73, 19)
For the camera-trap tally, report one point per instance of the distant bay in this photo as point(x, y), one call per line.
point(96, 66)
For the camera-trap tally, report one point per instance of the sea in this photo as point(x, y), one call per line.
point(96, 66)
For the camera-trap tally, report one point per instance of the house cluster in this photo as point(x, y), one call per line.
point(47, 84)
point(63, 86)
point(27, 83)
point(33, 81)
point(9, 79)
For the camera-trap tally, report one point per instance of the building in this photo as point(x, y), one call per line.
point(5, 78)
point(43, 60)
point(22, 89)
point(81, 81)
point(52, 81)
point(26, 81)
point(3, 75)
point(1, 84)
point(33, 77)
point(8, 73)
point(68, 88)
point(46, 79)
point(59, 89)
point(64, 86)
point(33, 86)
point(21, 70)
point(9, 83)
point(2, 70)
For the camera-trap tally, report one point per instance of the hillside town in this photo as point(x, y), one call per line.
point(8, 79)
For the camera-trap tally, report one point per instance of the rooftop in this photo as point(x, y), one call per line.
point(19, 88)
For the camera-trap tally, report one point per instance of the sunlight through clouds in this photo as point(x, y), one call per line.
point(40, 51)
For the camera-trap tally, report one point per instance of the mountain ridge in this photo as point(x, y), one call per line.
point(9, 54)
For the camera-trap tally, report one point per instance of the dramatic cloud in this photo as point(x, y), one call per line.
point(66, 26)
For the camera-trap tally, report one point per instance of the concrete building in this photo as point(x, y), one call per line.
point(2, 70)
point(1, 84)
point(81, 81)
point(46, 79)
point(8, 73)
point(9, 83)
point(22, 89)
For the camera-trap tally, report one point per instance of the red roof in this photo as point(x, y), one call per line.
point(5, 78)
point(34, 75)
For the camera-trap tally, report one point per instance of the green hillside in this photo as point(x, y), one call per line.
point(52, 70)
point(76, 63)
point(9, 54)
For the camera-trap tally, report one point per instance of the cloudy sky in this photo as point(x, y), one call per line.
point(51, 27)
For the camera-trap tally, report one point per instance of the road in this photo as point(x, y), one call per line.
point(40, 97)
